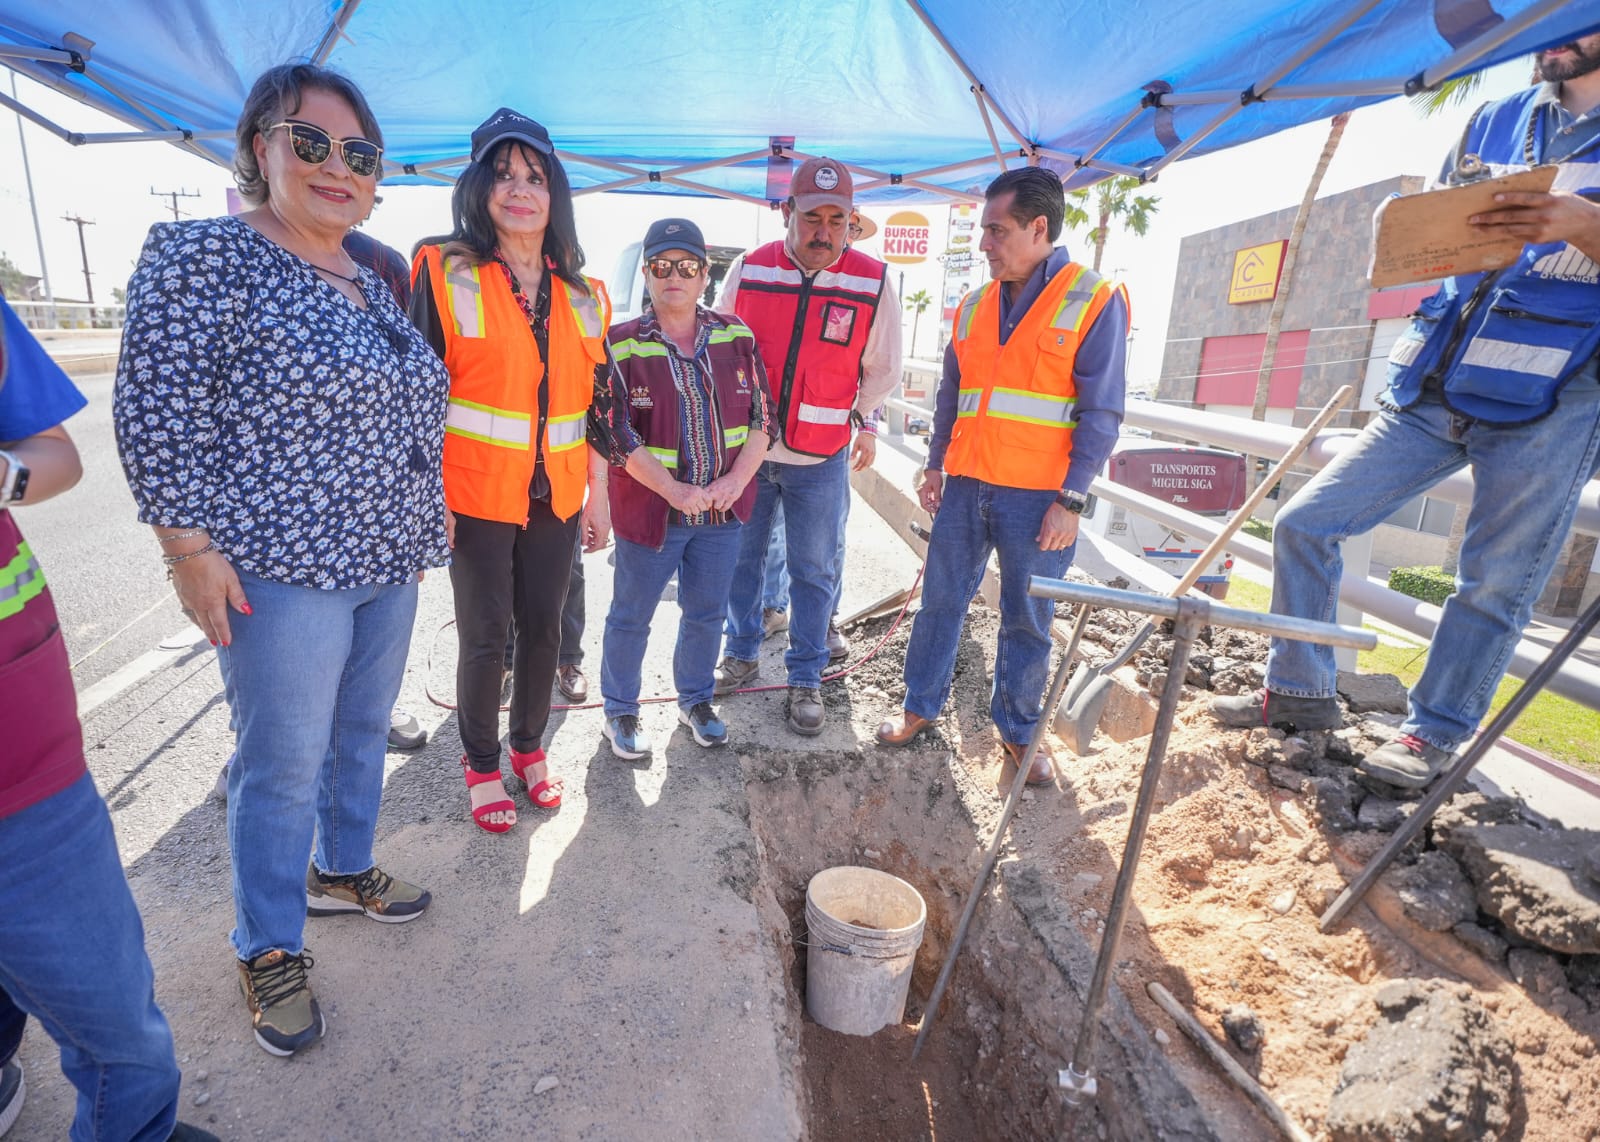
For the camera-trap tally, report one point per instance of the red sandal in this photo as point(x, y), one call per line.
point(481, 814)
point(545, 794)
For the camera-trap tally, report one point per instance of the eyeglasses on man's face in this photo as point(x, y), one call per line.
point(686, 267)
point(313, 145)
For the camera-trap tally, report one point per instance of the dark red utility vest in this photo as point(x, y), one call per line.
point(638, 514)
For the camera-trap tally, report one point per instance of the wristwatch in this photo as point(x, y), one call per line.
point(14, 480)
point(1074, 502)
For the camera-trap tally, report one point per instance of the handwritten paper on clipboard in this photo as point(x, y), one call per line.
point(1423, 237)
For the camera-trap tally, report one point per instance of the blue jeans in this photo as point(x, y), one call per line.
point(975, 519)
point(812, 496)
point(775, 586)
point(72, 956)
point(312, 676)
point(1527, 481)
point(703, 559)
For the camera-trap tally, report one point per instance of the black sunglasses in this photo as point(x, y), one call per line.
point(687, 267)
point(313, 145)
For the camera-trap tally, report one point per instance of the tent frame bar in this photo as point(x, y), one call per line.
point(335, 33)
point(41, 55)
point(977, 84)
point(1474, 50)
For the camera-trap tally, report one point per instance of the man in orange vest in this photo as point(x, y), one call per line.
point(1026, 414)
point(827, 324)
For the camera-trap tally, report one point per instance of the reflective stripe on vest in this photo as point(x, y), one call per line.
point(728, 336)
point(1019, 404)
point(20, 581)
point(967, 401)
point(1515, 357)
point(632, 347)
point(969, 306)
point(566, 432)
point(735, 437)
point(498, 426)
point(466, 296)
point(667, 456)
point(819, 414)
point(1069, 314)
point(586, 308)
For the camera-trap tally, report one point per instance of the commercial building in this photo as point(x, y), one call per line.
point(1337, 330)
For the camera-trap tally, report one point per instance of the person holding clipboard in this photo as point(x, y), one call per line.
point(1497, 373)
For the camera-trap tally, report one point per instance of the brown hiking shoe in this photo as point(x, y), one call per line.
point(283, 1012)
point(902, 728)
point(1043, 769)
point(733, 674)
point(805, 710)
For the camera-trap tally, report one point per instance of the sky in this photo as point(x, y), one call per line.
point(111, 184)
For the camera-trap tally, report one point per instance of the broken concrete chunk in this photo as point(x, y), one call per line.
point(1366, 693)
point(1434, 1066)
point(1488, 945)
point(1530, 880)
point(1434, 891)
point(1381, 815)
point(1286, 778)
point(1297, 753)
point(1243, 1027)
point(1473, 808)
point(1336, 802)
point(549, 1082)
point(1264, 747)
point(1536, 972)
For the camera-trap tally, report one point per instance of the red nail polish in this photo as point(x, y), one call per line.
point(246, 609)
point(213, 642)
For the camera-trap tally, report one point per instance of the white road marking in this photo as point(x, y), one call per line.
point(119, 681)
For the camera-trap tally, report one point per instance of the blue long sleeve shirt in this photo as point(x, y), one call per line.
point(1100, 372)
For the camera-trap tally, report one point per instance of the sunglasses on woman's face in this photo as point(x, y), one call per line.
point(313, 145)
point(687, 267)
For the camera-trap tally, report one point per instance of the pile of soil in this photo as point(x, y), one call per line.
point(1253, 835)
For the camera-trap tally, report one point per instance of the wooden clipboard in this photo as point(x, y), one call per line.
point(1424, 237)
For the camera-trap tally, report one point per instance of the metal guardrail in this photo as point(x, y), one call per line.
point(1358, 595)
point(68, 315)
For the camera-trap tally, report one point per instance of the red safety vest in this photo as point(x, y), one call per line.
point(812, 333)
point(1014, 408)
point(495, 369)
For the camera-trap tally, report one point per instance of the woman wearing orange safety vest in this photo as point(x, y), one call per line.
point(536, 415)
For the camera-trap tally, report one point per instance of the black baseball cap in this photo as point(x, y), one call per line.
point(674, 234)
point(508, 124)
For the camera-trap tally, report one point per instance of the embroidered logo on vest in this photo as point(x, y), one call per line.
point(639, 397)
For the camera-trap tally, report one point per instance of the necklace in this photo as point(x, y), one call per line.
point(354, 279)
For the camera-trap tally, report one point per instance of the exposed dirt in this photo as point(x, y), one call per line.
point(1235, 873)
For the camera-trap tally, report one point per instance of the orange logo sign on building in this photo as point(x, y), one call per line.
point(1256, 271)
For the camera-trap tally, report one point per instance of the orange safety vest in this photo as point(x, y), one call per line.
point(1015, 404)
point(494, 387)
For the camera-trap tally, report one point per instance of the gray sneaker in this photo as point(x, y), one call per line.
point(805, 710)
point(1267, 708)
point(774, 620)
point(283, 1012)
point(373, 893)
point(1406, 761)
point(734, 673)
point(13, 1090)
point(405, 732)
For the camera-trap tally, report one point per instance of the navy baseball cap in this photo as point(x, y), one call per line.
point(674, 234)
point(508, 124)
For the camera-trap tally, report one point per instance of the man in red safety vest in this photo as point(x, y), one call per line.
point(827, 324)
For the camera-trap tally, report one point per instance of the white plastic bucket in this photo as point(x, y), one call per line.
point(863, 930)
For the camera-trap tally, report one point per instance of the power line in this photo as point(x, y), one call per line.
point(172, 196)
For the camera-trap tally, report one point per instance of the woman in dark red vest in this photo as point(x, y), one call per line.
point(698, 400)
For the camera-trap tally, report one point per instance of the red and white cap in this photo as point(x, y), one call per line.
point(822, 182)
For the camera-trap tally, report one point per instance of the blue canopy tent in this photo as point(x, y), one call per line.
point(921, 98)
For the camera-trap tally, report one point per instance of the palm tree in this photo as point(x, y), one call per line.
point(917, 302)
point(1113, 198)
point(1269, 351)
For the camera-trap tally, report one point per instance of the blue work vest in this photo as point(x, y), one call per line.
point(1504, 342)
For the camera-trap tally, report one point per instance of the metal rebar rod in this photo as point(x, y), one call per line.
point(1196, 1031)
point(1078, 1081)
point(1046, 715)
point(1456, 775)
point(1281, 626)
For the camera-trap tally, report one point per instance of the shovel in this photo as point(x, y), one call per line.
point(1090, 689)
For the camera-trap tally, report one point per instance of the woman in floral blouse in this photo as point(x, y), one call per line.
point(280, 424)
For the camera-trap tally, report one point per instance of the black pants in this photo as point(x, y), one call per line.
point(506, 576)
point(572, 618)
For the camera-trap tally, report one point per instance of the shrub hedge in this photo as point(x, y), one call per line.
point(1430, 584)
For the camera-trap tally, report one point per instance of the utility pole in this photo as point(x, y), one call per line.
point(33, 207)
point(172, 196)
point(83, 248)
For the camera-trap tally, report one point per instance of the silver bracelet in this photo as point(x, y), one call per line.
point(195, 534)
point(174, 560)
